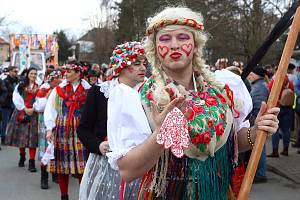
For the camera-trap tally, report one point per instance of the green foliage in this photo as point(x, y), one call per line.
point(64, 46)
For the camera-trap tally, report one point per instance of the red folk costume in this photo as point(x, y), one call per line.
point(22, 130)
point(62, 115)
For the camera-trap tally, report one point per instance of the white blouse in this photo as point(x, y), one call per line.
point(18, 100)
point(50, 112)
point(127, 124)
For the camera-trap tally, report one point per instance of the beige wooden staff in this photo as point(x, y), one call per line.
point(272, 102)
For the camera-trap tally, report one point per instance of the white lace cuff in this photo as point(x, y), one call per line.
point(114, 156)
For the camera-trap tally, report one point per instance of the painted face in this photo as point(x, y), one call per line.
point(72, 75)
point(32, 75)
point(175, 49)
point(136, 72)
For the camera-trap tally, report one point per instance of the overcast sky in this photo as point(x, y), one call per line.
point(46, 16)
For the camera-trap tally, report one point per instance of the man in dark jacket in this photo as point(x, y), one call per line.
point(7, 106)
point(259, 93)
point(3, 93)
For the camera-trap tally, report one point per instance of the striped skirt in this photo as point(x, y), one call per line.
point(69, 154)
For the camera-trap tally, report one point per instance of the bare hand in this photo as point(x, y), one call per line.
point(104, 147)
point(266, 120)
point(159, 117)
point(49, 135)
point(29, 111)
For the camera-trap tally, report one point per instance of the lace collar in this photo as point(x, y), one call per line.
point(107, 86)
point(83, 82)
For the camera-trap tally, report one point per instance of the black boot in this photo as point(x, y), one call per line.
point(44, 178)
point(65, 197)
point(3, 140)
point(31, 166)
point(22, 160)
point(54, 178)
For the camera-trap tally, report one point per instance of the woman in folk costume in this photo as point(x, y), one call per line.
point(62, 116)
point(22, 130)
point(52, 80)
point(100, 181)
point(198, 126)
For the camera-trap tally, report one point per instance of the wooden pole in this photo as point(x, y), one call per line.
point(272, 102)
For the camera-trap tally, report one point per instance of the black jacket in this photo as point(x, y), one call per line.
point(3, 92)
point(10, 84)
point(92, 129)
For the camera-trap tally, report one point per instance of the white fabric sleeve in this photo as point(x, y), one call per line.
point(242, 99)
point(127, 124)
point(18, 99)
point(40, 104)
point(50, 113)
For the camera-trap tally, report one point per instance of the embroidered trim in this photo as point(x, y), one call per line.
point(107, 86)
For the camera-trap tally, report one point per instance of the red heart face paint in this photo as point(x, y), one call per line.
point(163, 51)
point(187, 49)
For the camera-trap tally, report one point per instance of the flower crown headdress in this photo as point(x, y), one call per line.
point(124, 55)
point(53, 75)
point(165, 22)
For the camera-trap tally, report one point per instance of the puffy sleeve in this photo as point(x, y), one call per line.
point(18, 99)
point(40, 104)
point(127, 124)
point(242, 98)
point(50, 112)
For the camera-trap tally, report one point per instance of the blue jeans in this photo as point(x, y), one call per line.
point(6, 114)
point(285, 118)
point(261, 168)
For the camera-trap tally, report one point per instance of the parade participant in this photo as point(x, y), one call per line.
point(204, 145)
point(62, 116)
point(100, 181)
point(22, 129)
point(7, 106)
point(93, 77)
point(52, 80)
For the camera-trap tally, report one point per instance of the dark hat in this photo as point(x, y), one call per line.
point(259, 71)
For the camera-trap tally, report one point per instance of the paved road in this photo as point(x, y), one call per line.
point(18, 184)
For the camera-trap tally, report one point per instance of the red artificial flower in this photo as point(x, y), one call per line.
point(210, 123)
point(189, 129)
point(191, 116)
point(206, 137)
point(222, 99)
point(197, 109)
point(149, 96)
point(220, 129)
point(123, 64)
point(210, 101)
point(222, 116)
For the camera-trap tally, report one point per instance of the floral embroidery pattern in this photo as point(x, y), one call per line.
point(207, 117)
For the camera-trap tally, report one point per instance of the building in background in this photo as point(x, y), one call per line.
point(4, 50)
